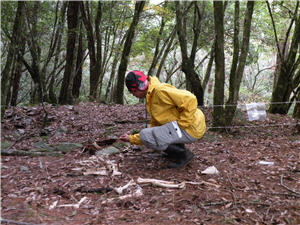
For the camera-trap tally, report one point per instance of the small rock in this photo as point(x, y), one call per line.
point(21, 131)
point(24, 168)
point(111, 150)
point(5, 145)
point(70, 107)
point(60, 131)
point(210, 170)
point(65, 146)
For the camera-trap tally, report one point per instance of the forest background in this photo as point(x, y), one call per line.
point(225, 52)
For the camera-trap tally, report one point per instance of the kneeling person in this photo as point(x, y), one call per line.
point(175, 119)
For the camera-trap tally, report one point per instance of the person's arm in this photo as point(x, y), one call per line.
point(133, 139)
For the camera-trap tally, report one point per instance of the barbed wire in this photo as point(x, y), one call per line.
point(239, 104)
point(254, 126)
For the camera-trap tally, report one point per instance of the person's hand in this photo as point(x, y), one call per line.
point(124, 137)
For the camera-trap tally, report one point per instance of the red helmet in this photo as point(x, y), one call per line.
point(136, 80)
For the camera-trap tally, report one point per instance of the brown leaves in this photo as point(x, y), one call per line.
point(76, 185)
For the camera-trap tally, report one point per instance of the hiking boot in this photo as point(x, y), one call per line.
point(180, 155)
point(174, 151)
point(187, 156)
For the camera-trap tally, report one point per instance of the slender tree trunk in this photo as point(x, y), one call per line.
point(6, 73)
point(17, 78)
point(94, 44)
point(66, 88)
point(209, 68)
point(236, 52)
point(188, 62)
point(218, 99)
point(79, 63)
point(139, 5)
point(296, 112)
point(278, 61)
point(39, 86)
point(158, 51)
point(110, 85)
point(284, 85)
point(59, 32)
point(10, 84)
point(236, 73)
point(166, 52)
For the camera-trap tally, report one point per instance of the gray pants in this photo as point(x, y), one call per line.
point(159, 138)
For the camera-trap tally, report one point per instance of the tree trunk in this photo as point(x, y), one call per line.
point(278, 61)
point(79, 63)
point(110, 85)
point(39, 89)
point(188, 62)
point(218, 99)
point(94, 44)
point(65, 96)
point(17, 78)
point(236, 73)
point(139, 5)
point(55, 70)
point(209, 68)
point(284, 85)
point(6, 73)
point(166, 52)
point(296, 113)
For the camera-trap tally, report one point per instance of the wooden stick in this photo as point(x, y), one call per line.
point(15, 222)
point(286, 187)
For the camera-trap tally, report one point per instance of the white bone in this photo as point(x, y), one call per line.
point(120, 190)
point(74, 205)
point(160, 183)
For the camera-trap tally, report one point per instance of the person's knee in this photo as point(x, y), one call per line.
point(145, 136)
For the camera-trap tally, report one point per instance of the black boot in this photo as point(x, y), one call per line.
point(174, 151)
point(181, 155)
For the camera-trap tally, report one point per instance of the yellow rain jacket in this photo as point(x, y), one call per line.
point(166, 103)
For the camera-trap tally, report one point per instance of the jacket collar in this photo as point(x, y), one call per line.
point(153, 83)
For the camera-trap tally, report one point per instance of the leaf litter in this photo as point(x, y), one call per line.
point(257, 180)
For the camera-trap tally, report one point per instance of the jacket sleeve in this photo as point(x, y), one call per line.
point(185, 102)
point(135, 139)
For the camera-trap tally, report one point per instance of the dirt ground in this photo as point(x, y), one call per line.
point(74, 189)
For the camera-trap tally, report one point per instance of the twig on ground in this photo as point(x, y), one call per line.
point(231, 192)
point(14, 222)
point(286, 187)
point(216, 203)
point(203, 182)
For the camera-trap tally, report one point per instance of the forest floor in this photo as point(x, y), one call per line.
point(78, 187)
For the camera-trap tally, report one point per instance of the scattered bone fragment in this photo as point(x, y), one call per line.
point(138, 193)
point(120, 190)
point(101, 171)
point(76, 206)
point(160, 183)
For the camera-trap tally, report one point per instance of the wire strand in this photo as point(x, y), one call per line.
point(267, 103)
point(254, 126)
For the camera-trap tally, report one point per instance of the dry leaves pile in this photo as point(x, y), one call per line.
point(258, 179)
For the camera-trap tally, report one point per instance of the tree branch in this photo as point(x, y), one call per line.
point(275, 33)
